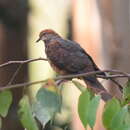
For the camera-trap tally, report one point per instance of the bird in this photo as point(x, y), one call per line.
point(68, 57)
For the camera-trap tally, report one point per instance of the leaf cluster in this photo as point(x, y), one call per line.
point(48, 102)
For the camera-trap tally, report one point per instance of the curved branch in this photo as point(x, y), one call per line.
point(70, 77)
point(120, 73)
point(111, 75)
point(21, 62)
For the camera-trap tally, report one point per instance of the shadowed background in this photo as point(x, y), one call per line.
point(101, 27)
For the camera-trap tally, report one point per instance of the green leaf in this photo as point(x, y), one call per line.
point(127, 119)
point(119, 118)
point(48, 103)
point(25, 114)
point(5, 102)
point(92, 109)
point(41, 114)
point(111, 108)
point(126, 91)
point(0, 123)
point(122, 127)
point(83, 106)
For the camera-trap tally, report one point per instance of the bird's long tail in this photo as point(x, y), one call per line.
point(97, 87)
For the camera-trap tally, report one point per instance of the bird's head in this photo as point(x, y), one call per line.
point(47, 35)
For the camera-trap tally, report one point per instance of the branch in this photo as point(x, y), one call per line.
point(21, 62)
point(21, 85)
point(105, 95)
point(121, 74)
point(15, 74)
point(114, 76)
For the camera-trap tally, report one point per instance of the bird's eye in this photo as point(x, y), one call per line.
point(44, 33)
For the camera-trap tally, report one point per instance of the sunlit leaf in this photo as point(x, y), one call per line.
point(122, 127)
point(26, 116)
point(119, 118)
point(5, 102)
point(111, 108)
point(127, 118)
point(83, 106)
point(91, 116)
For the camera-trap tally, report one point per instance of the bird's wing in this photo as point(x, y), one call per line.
point(73, 46)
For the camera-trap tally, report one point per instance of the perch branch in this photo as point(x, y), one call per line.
point(112, 75)
point(123, 75)
point(21, 62)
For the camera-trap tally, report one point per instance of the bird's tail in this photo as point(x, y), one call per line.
point(97, 87)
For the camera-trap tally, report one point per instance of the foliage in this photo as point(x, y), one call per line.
point(87, 108)
point(111, 108)
point(25, 114)
point(48, 103)
point(0, 123)
point(116, 115)
point(5, 102)
point(126, 93)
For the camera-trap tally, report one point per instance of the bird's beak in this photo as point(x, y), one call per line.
point(38, 39)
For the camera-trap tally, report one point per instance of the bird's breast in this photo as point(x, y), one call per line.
point(56, 55)
point(57, 69)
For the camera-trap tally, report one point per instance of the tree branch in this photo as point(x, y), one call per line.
point(120, 73)
point(123, 75)
point(21, 62)
point(112, 74)
point(21, 85)
point(15, 74)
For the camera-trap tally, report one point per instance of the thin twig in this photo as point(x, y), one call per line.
point(119, 86)
point(21, 85)
point(64, 77)
point(21, 62)
point(113, 74)
point(112, 79)
point(120, 73)
point(15, 74)
point(123, 75)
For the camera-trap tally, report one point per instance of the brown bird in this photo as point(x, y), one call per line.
point(68, 57)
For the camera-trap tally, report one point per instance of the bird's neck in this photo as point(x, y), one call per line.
point(49, 40)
